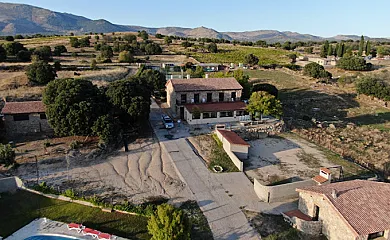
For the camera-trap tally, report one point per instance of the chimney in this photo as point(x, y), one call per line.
point(334, 193)
point(188, 76)
point(207, 75)
point(171, 76)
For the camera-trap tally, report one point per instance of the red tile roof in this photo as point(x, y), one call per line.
point(204, 84)
point(325, 170)
point(23, 107)
point(217, 107)
point(298, 214)
point(365, 205)
point(319, 179)
point(233, 138)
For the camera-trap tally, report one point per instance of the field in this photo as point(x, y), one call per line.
point(236, 54)
point(21, 208)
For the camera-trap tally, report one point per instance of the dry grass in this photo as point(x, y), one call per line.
point(98, 75)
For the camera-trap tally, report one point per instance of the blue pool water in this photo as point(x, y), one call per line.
point(50, 238)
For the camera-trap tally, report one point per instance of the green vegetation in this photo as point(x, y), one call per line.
point(354, 64)
point(7, 155)
point(315, 70)
point(26, 206)
point(40, 73)
point(200, 228)
point(251, 60)
point(169, 223)
point(236, 54)
point(263, 103)
point(219, 156)
point(375, 85)
point(126, 57)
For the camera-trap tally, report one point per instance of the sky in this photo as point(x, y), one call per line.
point(321, 18)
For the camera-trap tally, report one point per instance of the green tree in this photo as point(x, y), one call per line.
point(143, 34)
point(315, 70)
point(167, 40)
point(368, 48)
point(340, 50)
point(3, 54)
point(324, 51)
point(292, 57)
point(330, 50)
point(84, 42)
point(7, 155)
point(243, 80)
point(74, 42)
point(125, 57)
point(187, 44)
point(213, 48)
point(13, 48)
point(263, 103)
point(40, 73)
point(107, 128)
point(153, 49)
point(169, 223)
point(129, 38)
point(383, 51)
point(57, 66)
point(44, 53)
point(155, 79)
point(106, 52)
point(198, 73)
point(73, 106)
point(94, 65)
point(309, 50)
point(159, 36)
point(354, 63)
point(59, 49)
point(361, 46)
point(9, 38)
point(251, 60)
point(130, 99)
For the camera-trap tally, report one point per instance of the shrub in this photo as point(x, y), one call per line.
point(251, 60)
point(315, 70)
point(293, 67)
point(74, 145)
point(354, 64)
point(69, 193)
point(7, 155)
point(169, 223)
point(373, 86)
point(24, 56)
point(40, 73)
point(126, 57)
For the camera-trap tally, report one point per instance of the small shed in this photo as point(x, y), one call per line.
point(234, 143)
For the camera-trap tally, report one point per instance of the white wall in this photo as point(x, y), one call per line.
point(188, 118)
point(10, 184)
point(226, 146)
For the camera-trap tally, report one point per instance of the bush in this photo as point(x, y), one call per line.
point(43, 53)
point(126, 57)
point(75, 145)
point(251, 60)
point(3, 54)
point(315, 70)
point(153, 49)
point(40, 73)
point(169, 223)
point(58, 50)
point(24, 56)
point(9, 38)
point(354, 64)
point(373, 86)
point(265, 87)
point(293, 67)
point(7, 155)
point(44, 188)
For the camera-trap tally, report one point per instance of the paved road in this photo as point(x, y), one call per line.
point(224, 215)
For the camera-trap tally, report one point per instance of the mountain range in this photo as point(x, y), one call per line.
point(26, 19)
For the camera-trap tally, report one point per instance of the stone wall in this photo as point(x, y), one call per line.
point(34, 125)
point(308, 227)
point(203, 95)
point(10, 184)
point(281, 192)
point(334, 226)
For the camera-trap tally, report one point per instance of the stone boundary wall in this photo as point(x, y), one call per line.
point(239, 164)
point(309, 227)
point(10, 184)
point(281, 192)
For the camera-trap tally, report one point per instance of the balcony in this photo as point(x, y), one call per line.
point(182, 102)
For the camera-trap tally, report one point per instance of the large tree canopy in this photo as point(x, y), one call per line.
point(40, 73)
point(315, 70)
point(265, 104)
point(72, 106)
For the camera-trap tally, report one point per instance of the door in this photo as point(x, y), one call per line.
point(233, 96)
point(209, 97)
point(196, 97)
point(182, 113)
point(316, 213)
point(221, 97)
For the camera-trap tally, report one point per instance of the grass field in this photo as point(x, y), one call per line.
point(236, 54)
point(17, 210)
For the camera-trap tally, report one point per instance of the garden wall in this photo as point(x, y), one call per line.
point(10, 184)
point(281, 192)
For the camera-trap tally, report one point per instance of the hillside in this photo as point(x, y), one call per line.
point(26, 19)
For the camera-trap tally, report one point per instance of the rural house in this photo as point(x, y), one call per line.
point(351, 210)
point(25, 118)
point(206, 100)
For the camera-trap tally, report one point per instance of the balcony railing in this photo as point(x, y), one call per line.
point(182, 102)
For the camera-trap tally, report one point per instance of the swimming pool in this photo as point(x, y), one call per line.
point(48, 237)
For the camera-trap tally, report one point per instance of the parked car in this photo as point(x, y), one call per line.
point(167, 121)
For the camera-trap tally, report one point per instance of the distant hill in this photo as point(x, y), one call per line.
point(26, 19)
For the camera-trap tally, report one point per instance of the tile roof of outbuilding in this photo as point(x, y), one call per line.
point(365, 205)
point(23, 107)
point(233, 138)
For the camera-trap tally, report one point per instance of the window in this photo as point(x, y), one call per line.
point(226, 114)
point(240, 113)
point(233, 96)
point(209, 115)
point(209, 97)
point(221, 97)
point(376, 235)
point(42, 115)
point(196, 97)
point(21, 117)
point(196, 115)
point(183, 98)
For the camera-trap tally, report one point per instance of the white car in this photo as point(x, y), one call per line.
point(168, 122)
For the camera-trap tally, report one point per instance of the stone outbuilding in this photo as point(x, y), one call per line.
point(25, 118)
point(351, 210)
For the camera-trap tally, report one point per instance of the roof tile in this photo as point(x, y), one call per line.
point(23, 107)
point(205, 84)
